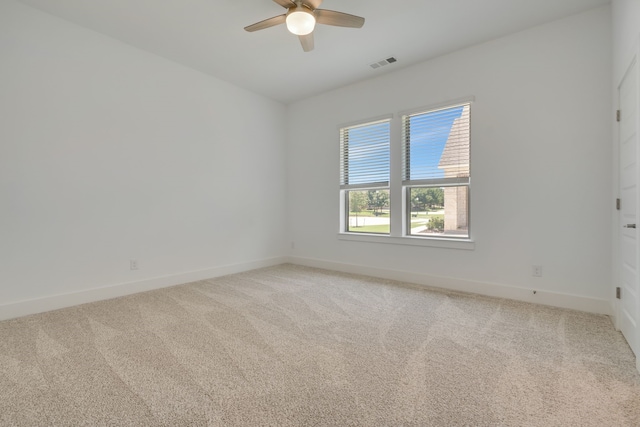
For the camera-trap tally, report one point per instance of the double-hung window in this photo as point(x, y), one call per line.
point(364, 176)
point(435, 172)
point(429, 185)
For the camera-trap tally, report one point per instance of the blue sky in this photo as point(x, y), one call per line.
point(429, 134)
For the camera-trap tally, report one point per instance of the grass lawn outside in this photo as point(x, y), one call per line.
point(362, 214)
point(421, 220)
point(382, 228)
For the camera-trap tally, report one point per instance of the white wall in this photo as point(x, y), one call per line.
point(626, 35)
point(109, 153)
point(541, 166)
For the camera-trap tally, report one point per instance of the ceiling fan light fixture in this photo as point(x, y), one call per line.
point(300, 21)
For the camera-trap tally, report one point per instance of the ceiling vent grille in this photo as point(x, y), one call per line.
point(384, 62)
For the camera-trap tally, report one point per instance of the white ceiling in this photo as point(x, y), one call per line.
point(208, 35)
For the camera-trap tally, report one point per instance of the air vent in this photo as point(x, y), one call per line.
point(384, 62)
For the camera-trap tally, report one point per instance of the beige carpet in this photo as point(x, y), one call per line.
point(298, 346)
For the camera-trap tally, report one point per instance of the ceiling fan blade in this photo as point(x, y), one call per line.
point(271, 22)
point(312, 4)
point(338, 19)
point(306, 42)
point(285, 3)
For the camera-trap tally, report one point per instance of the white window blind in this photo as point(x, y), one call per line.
point(436, 146)
point(364, 155)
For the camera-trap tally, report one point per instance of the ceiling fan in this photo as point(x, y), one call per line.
point(301, 19)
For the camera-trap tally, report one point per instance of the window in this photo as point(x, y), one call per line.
point(436, 172)
point(364, 176)
point(425, 194)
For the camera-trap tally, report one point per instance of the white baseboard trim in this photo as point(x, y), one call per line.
point(574, 302)
point(613, 308)
point(55, 302)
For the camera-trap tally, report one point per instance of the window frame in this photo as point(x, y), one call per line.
point(346, 187)
point(399, 201)
point(444, 182)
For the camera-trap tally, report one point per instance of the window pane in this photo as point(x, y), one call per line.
point(364, 152)
point(437, 144)
point(439, 211)
point(368, 211)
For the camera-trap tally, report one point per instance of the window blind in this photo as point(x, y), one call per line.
point(436, 146)
point(365, 155)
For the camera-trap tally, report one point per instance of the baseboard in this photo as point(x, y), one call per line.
point(55, 302)
point(614, 314)
point(574, 302)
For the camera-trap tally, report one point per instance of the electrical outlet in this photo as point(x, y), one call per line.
point(536, 271)
point(133, 264)
point(293, 245)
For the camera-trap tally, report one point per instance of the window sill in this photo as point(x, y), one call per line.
point(464, 244)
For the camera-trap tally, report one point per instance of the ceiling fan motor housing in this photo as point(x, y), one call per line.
point(300, 20)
